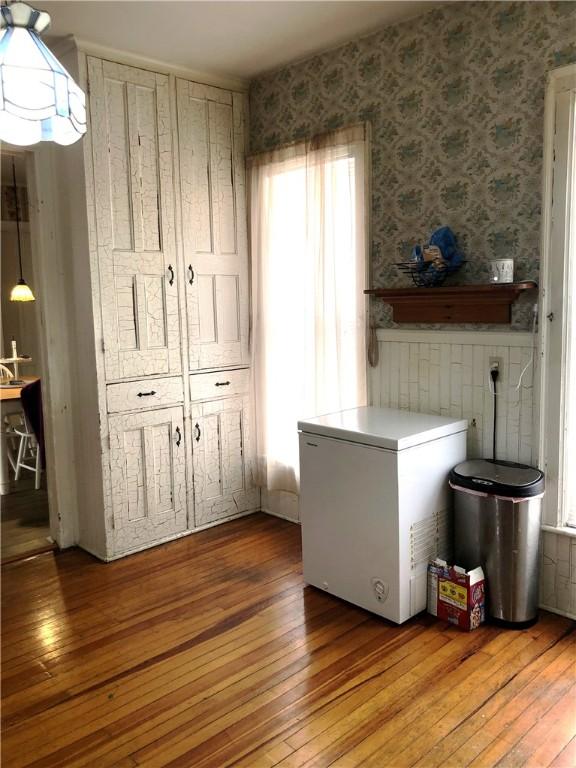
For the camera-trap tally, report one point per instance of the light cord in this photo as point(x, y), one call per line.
point(17, 215)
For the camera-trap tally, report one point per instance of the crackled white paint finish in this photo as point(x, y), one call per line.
point(134, 204)
point(148, 477)
point(130, 155)
point(207, 386)
point(144, 393)
point(211, 129)
point(222, 448)
point(448, 374)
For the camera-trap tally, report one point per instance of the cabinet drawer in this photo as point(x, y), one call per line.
point(145, 393)
point(205, 386)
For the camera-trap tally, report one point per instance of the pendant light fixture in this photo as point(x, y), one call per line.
point(39, 101)
point(21, 291)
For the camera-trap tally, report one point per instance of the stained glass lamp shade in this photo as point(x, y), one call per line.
point(39, 101)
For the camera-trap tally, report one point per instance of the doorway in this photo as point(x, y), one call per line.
point(24, 503)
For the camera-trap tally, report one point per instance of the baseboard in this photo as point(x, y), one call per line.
point(280, 516)
point(168, 539)
point(558, 611)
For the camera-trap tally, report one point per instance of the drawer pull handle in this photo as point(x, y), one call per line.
point(147, 394)
point(171, 270)
point(222, 384)
point(191, 278)
point(198, 433)
point(179, 436)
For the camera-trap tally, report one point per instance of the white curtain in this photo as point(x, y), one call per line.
point(309, 271)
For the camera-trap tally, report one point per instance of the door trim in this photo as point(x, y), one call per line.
point(559, 80)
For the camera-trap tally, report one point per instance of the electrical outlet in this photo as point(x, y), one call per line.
point(495, 364)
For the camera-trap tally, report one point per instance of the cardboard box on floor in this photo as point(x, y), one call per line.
point(455, 595)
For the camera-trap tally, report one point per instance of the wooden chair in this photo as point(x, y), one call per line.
point(28, 451)
point(12, 440)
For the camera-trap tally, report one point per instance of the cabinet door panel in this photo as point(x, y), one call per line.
point(145, 170)
point(133, 449)
point(221, 128)
point(227, 291)
point(151, 311)
point(232, 452)
point(211, 136)
point(206, 310)
point(161, 481)
point(119, 166)
point(195, 173)
point(147, 460)
point(134, 220)
point(223, 459)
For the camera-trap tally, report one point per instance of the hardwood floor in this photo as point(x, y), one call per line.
point(24, 523)
point(210, 652)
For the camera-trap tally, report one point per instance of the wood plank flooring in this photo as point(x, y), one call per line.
point(24, 523)
point(210, 652)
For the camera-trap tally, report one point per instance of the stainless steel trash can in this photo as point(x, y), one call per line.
point(497, 516)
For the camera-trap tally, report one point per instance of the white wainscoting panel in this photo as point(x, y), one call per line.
point(558, 573)
point(447, 373)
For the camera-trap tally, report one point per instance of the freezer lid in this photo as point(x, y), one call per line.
point(382, 427)
point(504, 478)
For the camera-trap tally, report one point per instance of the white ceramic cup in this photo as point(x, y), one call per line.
point(501, 270)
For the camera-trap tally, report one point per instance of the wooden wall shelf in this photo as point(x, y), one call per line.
point(491, 303)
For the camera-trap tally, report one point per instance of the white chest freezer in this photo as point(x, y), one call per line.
point(374, 501)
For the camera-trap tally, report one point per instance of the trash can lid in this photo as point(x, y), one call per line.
point(504, 478)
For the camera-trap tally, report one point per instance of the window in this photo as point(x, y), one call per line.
point(308, 239)
point(558, 379)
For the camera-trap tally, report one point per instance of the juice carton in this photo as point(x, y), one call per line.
point(455, 595)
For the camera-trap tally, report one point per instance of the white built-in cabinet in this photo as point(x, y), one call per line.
point(166, 196)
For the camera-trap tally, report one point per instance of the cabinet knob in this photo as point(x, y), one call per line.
point(171, 270)
point(178, 436)
point(198, 432)
point(222, 384)
point(147, 394)
point(191, 272)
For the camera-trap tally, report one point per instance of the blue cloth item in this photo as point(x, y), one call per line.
point(445, 239)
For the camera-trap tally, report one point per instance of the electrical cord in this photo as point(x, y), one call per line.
point(494, 377)
point(534, 331)
point(530, 361)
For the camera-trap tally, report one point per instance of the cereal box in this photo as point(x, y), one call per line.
point(455, 595)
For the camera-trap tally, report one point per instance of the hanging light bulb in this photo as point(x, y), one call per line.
point(21, 291)
point(39, 101)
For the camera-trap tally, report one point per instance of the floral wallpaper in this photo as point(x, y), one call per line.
point(456, 102)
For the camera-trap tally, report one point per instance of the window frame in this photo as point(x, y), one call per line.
point(554, 305)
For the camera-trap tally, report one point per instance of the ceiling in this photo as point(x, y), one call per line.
point(233, 39)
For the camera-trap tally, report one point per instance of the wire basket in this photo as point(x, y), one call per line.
point(430, 276)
